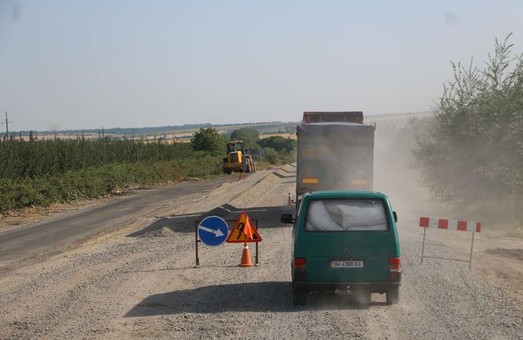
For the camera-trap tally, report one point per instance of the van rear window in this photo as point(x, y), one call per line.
point(346, 215)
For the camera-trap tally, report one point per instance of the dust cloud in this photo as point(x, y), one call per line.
point(397, 175)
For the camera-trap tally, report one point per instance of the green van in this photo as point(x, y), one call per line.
point(345, 241)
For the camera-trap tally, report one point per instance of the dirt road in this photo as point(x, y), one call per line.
point(140, 282)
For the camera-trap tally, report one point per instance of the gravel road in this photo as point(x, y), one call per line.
point(139, 279)
point(140, 282)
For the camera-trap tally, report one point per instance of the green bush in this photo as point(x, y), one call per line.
point(473, 150)
point(208, 140)
point(248, 135)
point(278, 143)
point(98, 181)
point(271, 156)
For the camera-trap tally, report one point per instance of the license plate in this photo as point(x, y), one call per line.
point(346, 264)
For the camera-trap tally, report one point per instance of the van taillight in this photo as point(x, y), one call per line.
point(299, 263)
point(394, 263)
point(395, 268)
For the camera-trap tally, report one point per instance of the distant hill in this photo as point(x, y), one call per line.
point(263, 128)
point(188, 129)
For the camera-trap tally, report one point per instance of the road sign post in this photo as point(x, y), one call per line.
point(214, 231)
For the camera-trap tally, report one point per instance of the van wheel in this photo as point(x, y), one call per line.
point(298, 297)
point(362, 297)
point(393, 296)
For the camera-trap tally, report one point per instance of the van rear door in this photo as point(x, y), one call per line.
point(347, 240)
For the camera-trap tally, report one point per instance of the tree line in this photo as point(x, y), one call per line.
point(472, 151)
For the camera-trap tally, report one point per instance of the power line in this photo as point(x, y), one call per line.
point(6, 125)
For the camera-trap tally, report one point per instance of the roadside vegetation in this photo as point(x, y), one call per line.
point(269, 151)
point(40, 172)
point(471, 155)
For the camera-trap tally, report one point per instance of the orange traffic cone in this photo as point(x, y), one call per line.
point(246, 257)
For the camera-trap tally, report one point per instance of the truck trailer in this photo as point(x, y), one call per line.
point(335, 150)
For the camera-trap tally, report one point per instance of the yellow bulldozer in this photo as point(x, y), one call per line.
point(237, 159)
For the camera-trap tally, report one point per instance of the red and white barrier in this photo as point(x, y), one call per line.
point(442, 223)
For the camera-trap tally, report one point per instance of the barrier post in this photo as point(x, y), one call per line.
point(447, 224)
point(471, 248)
point(196, 243)
point(423, 245)
point(256, 258)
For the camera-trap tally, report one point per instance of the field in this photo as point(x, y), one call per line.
point(168, 134)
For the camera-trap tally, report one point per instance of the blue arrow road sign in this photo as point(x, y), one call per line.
point(213, 230)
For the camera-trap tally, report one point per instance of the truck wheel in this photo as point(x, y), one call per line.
point(393, 296)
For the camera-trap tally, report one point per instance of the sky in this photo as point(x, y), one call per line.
point(71, 65)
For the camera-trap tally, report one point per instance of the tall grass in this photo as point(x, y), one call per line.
point(34, 158)
point(38, 173)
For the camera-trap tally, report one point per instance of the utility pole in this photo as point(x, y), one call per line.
point(6, 126)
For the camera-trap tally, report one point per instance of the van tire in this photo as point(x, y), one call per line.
point(393, 296)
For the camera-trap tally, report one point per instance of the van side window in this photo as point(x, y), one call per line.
point(346, 215)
